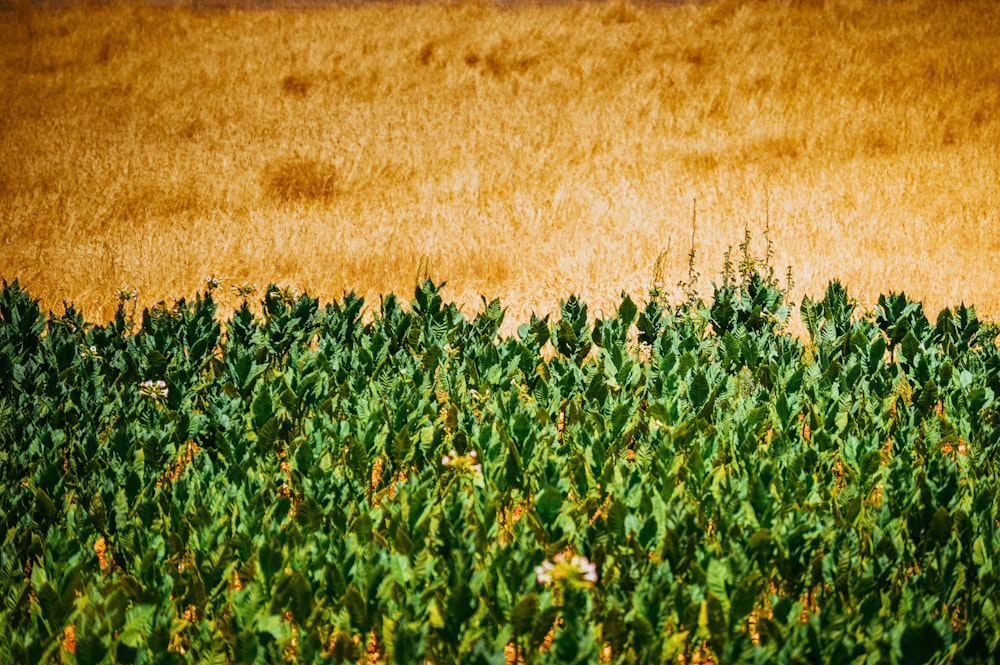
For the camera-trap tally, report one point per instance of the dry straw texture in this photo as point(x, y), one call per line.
point(522, 153)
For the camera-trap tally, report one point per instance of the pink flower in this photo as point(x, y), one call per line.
point(154, 389)
point(543, 573)
point(463, 463)
point(577, 570)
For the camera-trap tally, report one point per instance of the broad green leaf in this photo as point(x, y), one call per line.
point(138, 624)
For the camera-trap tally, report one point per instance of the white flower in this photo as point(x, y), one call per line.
point(154, 389)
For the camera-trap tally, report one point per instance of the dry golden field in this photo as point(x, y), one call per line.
point(522, 153)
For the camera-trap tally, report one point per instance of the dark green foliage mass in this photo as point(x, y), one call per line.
point(308, 484)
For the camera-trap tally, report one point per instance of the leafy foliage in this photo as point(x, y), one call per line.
point(312, 485)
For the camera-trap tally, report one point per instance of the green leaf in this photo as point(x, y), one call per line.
point(156, 363)
point(699, 389)
point(268, 433)
point(523, 614)
point(876, 353)
point(920, 643)
point(627, 311)
point(909, 347)
point(567, 341)
point(743, 599)
point(270, 559)
point(90, 649)
point(262, 408)
point(96, 511)
point(45, 510)
point(293, 592)
point(616, 514)
point(940, 526)
point(548, 502)
point(810, 317)
point(246, 647)
point(658, 411)
point(138, 624)
point(982, 557)
point(718, 575)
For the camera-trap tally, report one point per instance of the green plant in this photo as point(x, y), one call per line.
point(314, 485)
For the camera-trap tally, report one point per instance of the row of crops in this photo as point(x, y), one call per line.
point(336, 484)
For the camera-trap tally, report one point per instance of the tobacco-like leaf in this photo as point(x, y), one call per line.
point(138, 624)
point(288, 498)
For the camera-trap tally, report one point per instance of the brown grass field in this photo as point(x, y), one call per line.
point(524, 153)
